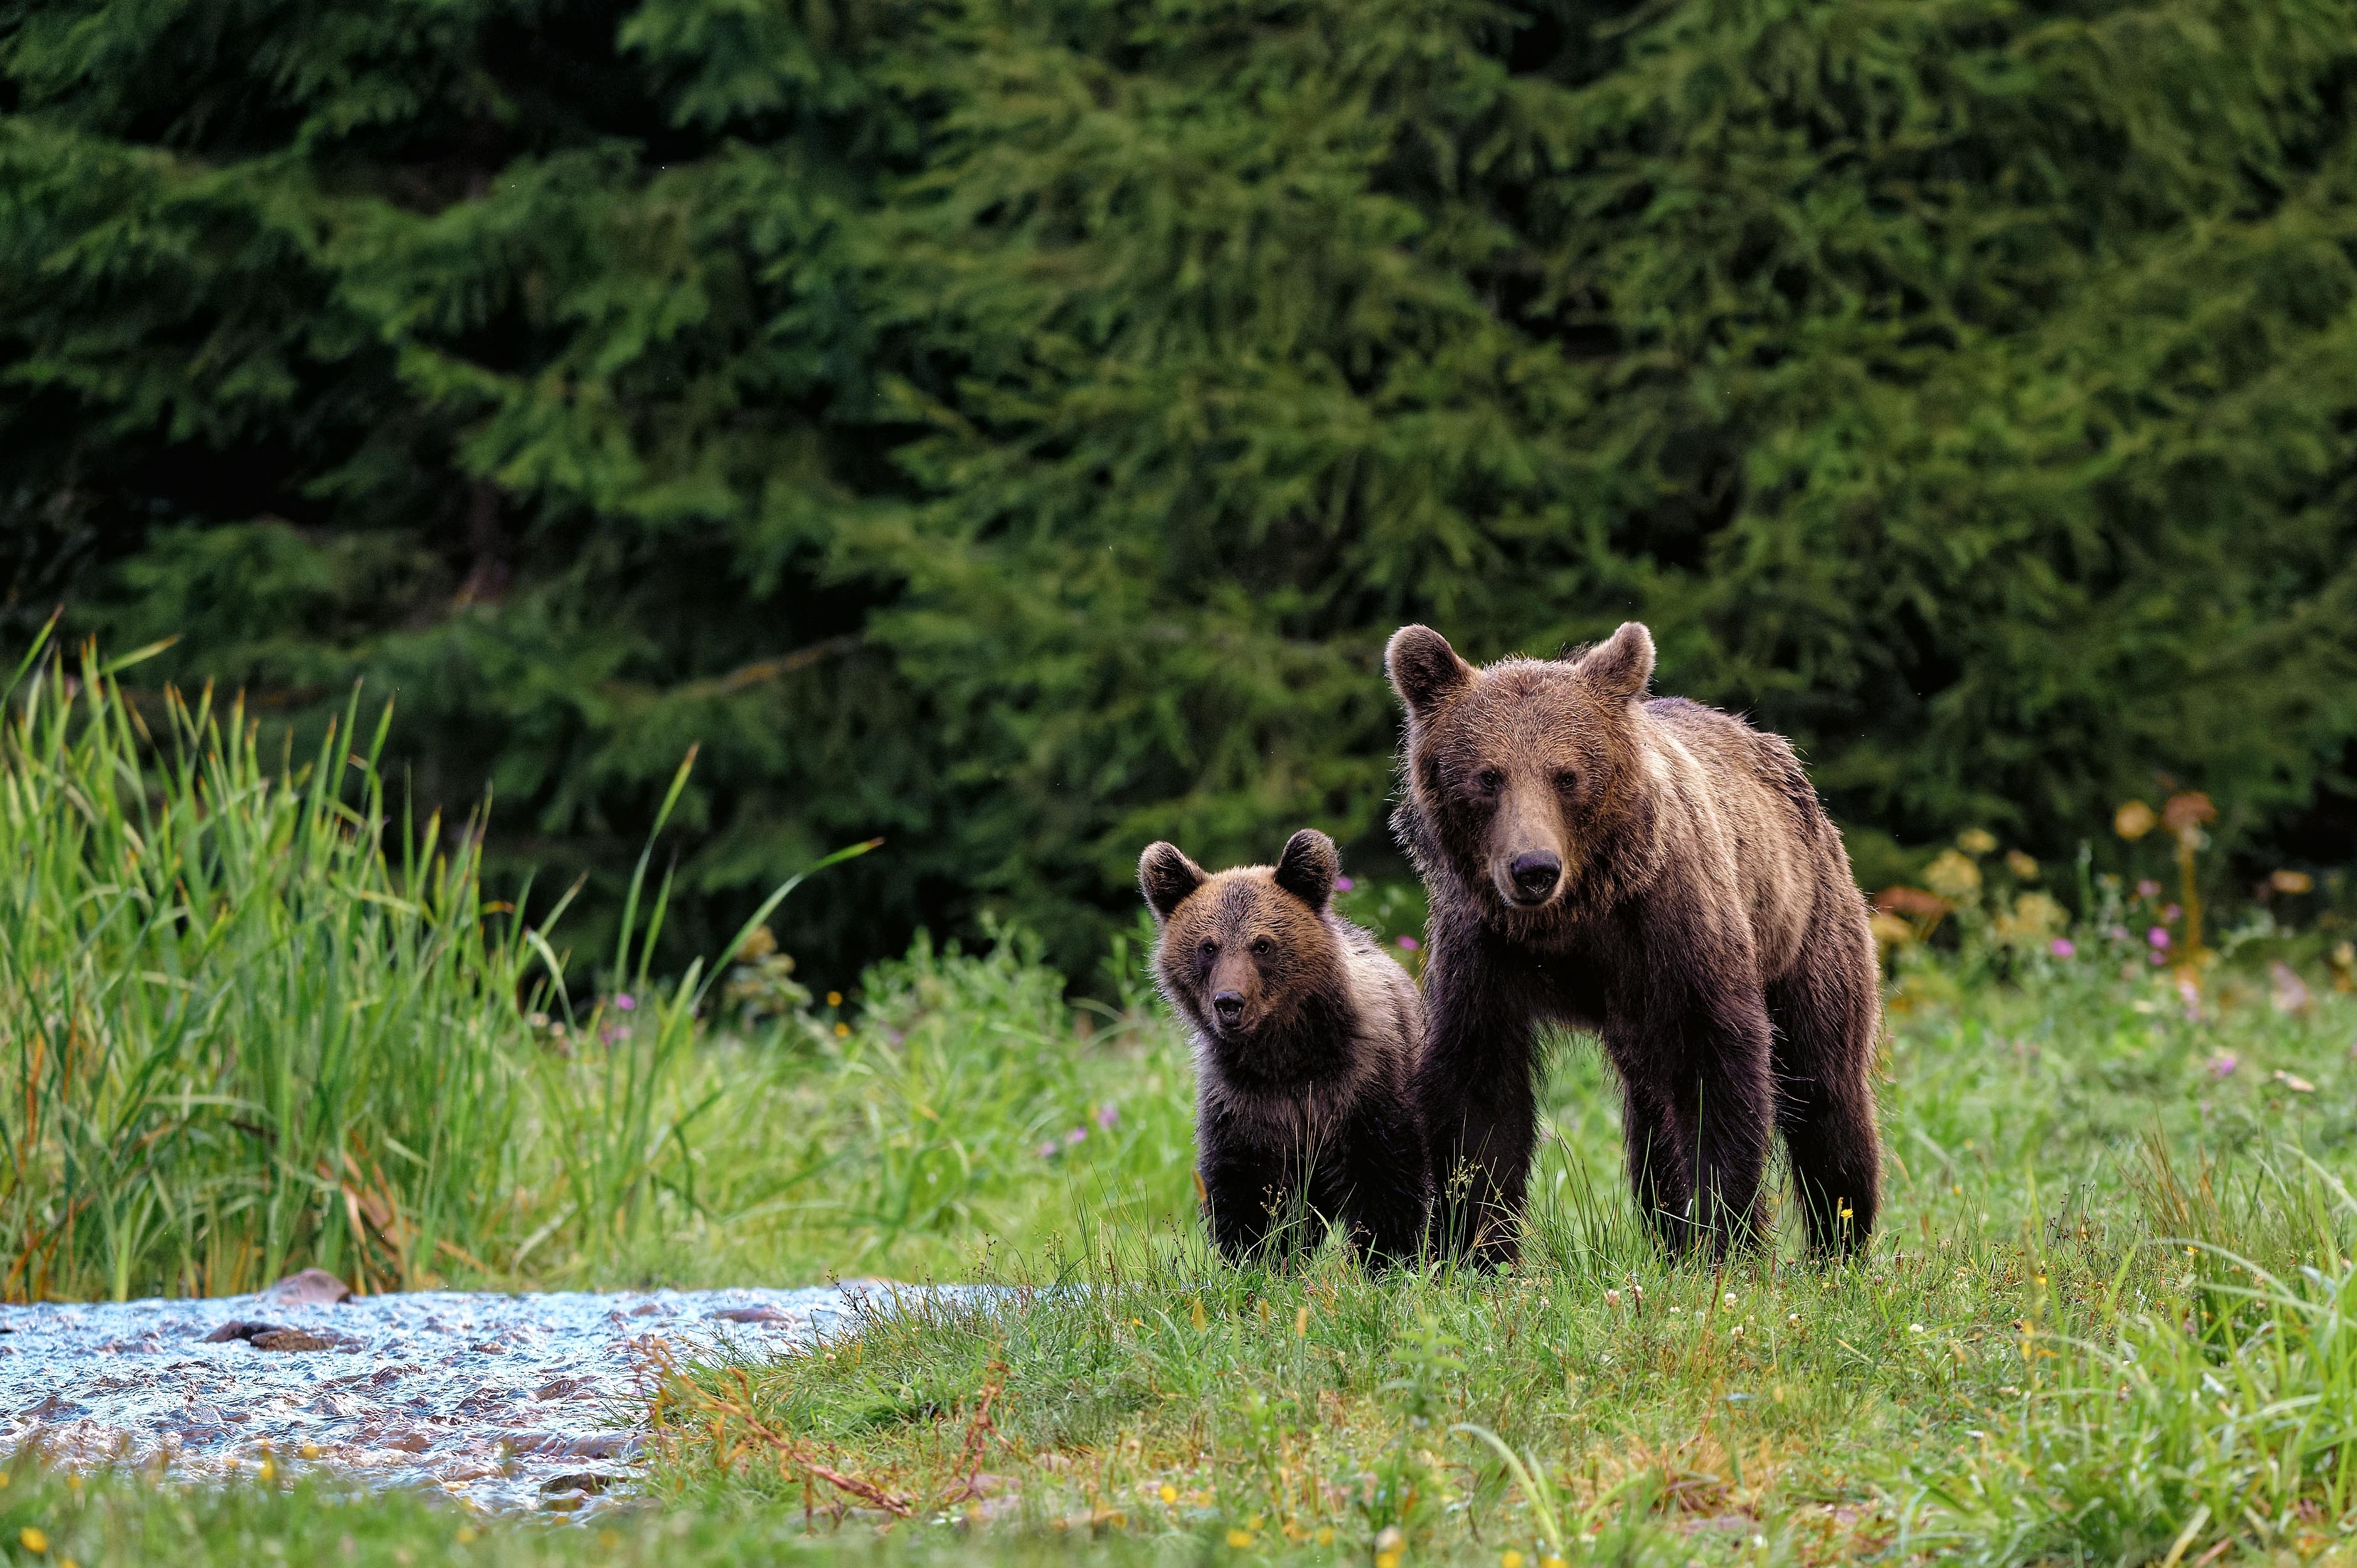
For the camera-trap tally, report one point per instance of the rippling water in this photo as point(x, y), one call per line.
point(507, 1402)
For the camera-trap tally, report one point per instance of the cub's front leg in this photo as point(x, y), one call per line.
point(1245, 1188)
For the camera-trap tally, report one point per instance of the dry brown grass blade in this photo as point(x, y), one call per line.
point(977, 1435)
point(796, 1459)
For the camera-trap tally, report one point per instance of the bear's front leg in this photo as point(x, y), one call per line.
point(1244, 1194)
point(1381, 1188)
point(1695, 1062)
point(1475, 1086)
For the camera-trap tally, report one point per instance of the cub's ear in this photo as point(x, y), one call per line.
point(1425, 671)
point(1622, 664)
point(1307, 868)
point(1165, 877)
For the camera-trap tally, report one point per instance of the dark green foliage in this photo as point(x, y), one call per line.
point(1012, 428)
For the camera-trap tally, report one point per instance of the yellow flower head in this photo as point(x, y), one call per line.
point(33, 1540)
point(1239, 1539)
point(1977, 841)
point(1510, 1559)
point(1169, 1493)
point(2135, 820)
point(2021, 866)
point(2291, 881)
point(1952, 875)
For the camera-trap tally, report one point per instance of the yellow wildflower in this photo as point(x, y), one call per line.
point(1952, 875)
point(1977, 841)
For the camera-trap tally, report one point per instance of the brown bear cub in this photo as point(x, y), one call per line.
point(1662, 874)
point(1305, 1039)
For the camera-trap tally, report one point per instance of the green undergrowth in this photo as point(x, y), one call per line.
point(2110, 1309)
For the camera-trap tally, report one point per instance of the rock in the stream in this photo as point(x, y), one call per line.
point(270, 1337)
point(309, 1287)
point(239, 1328)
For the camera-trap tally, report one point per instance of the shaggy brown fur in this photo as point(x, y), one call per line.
point(1306, 1036)
point(1661, 874)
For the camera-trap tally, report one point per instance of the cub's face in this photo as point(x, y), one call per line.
point(1521, 771)
point(1242, 952)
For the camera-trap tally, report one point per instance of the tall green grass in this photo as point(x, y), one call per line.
point(251, 1017)
point(247, 1018)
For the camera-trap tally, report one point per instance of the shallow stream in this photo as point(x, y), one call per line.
point(506, 1401)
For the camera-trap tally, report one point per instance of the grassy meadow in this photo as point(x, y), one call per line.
point(254, 1020)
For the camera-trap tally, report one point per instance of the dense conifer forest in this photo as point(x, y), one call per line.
point(1011, 429)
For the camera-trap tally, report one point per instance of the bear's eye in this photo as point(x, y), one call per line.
point(1207, 946)
point(1489, 780)
point(1263, 947)
point(1567, 780)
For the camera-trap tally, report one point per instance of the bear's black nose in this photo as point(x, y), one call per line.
point(1229, 1005)
point(1536, 874)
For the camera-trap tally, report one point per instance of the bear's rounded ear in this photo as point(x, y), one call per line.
point(1622, 664)
point(1425, 671)
point(1307, 868)
point(1165, 877)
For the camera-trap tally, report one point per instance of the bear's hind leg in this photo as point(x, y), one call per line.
point(1827, 1013)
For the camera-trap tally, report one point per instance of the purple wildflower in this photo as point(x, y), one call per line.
point(2171, 913)
point(2223, 1065)
point(624, 1001)
point(2158, 938)
point(1344, 884)
point(1075, 1135)
point(2147, 888)
point(1107, 1115)
point(2062, 946)
point(1409, 944)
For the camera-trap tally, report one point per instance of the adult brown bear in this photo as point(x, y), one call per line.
point(1659, 873)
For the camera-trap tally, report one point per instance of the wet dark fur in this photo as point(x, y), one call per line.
point(1705, 924)
point(1304, 1105)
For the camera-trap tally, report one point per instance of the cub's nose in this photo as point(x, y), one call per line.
point(1536, 874)
point(1229, 1005)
